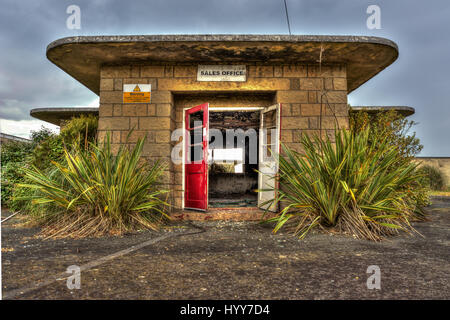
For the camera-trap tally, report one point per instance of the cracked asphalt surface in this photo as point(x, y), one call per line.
point(232, 260)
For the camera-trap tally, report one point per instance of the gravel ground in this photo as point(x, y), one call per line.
point(231, 260)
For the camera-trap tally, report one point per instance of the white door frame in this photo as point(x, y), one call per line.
point(269, 167)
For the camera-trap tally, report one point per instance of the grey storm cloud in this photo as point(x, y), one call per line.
point(419, 78)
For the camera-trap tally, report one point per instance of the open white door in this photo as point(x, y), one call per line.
point(269, 140)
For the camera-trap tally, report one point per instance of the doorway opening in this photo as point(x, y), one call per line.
point(224, 173)
point(233, 158)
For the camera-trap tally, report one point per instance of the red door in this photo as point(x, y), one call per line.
point(196, 158)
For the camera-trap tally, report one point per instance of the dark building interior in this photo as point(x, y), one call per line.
point(232, 182)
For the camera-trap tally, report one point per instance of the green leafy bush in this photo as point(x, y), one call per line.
point(49, 146)
point(14, 156)
point(96, 192)
point(82, 129)
point(395, 129)
point(432, 177)
point(45, 147)
point(40, 135)
point(48, 150)
point(390, 126)
point(353, 186)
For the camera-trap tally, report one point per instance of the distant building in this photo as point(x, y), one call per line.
point(4, 138)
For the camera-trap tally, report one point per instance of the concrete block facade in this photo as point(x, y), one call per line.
point(313, 98)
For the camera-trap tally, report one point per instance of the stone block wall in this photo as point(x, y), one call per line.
point(316, 102)
point(154, 120)
point(312, 98)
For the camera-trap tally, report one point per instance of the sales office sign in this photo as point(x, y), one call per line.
point(221, 73)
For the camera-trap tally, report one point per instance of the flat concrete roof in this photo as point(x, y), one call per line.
point(82, 56)
point(403, 110)
point(55, 115)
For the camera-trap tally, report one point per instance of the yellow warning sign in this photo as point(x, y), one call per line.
point(137, 93)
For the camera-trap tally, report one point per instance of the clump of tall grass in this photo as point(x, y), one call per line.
point(432, 177)
point(96, 192)
point(350, 186)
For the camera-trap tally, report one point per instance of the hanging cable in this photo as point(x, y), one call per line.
point(287, 17)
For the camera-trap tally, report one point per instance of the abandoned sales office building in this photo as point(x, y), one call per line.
point(277, 87)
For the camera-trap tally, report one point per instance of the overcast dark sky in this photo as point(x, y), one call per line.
point(419, 78)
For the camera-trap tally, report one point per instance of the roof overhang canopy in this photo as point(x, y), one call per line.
point(82, 57)
point(402, 110)
point(56, 115)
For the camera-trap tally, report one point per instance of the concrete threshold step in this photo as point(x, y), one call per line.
point(230, 214)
